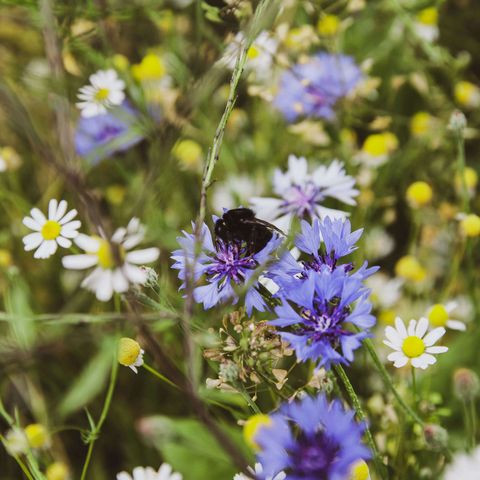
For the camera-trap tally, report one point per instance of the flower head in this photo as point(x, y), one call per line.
point(419, 194)
point(50, 232)
point(313, 88)
point(37, 435)
point(414, 344)
point(258, 473)
point(130, 354)
point(439, 316)
point(57, 471)
point(302, 194)
point(224, 265)
point(105, 91)
point(165, 472)
point(101, 136)
point(114, 271)
point(311, 440)
point(316, 312)
point(467, 94)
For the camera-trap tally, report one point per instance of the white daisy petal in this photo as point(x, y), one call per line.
point(86, 243)
point(71, 214)
point(412, 327)
point(393, 336)
point(400, 362)
point(61, 209)
point(52, 209)
point(456, 325)
point(43, 250)
point(104, 287)
point(140, 257)
point(135, 274)
point(32, 224)
point(422, 327)
point(32, 240)
point(433, 336)
point(438, 349)
point(120, 282)
point(38, 216)
point(79, 262)
point(400, 326)
point(64, 242)
point(392, 346)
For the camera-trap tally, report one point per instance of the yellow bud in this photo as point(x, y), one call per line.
point(327, 25)
point(360, 471)
point(120, 62)
point(420, 124)
point(438, 315)
point(419, 194)
point(115, 194)
point(380, 144)
point(128, 351)
point(189, 153)
point(5, 258)
point(428, 16)
point(470, 177)
point(37, 435)
point(470, 225)
point(467, 94)
point(9, 158)
point(387, 317)
point(252, 427)
point(150, 68)
point(410, 268)
point(57, 471)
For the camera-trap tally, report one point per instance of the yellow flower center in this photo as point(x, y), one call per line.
point(57, 471)
point(428, 16)
point(328, 25)
point(465, 93)
point(253, 52)
point(150, 68)
point(360, 471)
point(128, 351)
point(102, 94)
point(471, 225)
point(252, 426)
point(375, 145)
point(105, 255)
point(37, 435)
point(413, 346)
point(438, 315)
point(51, 230)
point(409, 267)
point(420, 123)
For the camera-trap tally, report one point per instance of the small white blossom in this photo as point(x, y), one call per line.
point(413, 345)
point(257, 472)
point(165, 472)
point(105, 91)
point(111, 274)
point(58, 229)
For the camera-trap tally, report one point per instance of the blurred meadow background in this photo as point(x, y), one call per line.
point(203, 118)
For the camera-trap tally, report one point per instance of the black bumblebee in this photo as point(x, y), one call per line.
point(241, 225)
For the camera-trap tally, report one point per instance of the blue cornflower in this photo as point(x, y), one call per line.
point(311, 440)
point(312, 89)
point(324, 243)
point(317, 309)
point(101, 136)
point(224, 266)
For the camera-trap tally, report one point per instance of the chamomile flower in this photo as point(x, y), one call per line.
point(257, 473)
point(414, 344)
point(426, 24)
point(302, 194)
point(111, 274)
point(130, 354)
point(165, 472)
point(439, 316)
point(50, 232)
point(105, 91)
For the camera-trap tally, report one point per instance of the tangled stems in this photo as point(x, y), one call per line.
point(95, 431)
point(362, 417)
point(388, 381)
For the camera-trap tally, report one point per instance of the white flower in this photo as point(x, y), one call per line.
point(235, 191)
point(378, 243)
point(412, 344)
point(50, 232)
point(16, 442)
point(260, 55)
point(426, 32)
point(257, 472)
point(108, 276)
point(439, 316)
point(464, 466)
point(302, 193)
point(105, 91)
point(386, 291)
point(165, 472)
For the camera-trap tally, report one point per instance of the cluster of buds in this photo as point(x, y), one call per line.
point(247, 351)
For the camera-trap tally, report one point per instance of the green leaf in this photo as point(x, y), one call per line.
point(91, 381)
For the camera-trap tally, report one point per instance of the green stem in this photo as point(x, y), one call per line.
point(22, 465)
point(362, 417)
point(159, 375)
point(388, 381)
point(473, 418)
point(106, 407)
point(460, 141)
point(414, 386)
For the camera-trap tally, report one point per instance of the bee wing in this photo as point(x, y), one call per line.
point(257, 221)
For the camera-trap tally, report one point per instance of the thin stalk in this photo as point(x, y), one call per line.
point(473, 419)
point(414, 386)
point(159, 375)
point(388, 381)
point(362, 417)
point(106, 407)
point(22, 465)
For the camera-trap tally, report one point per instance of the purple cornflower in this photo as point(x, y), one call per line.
point(312, 89)
point(101, 136)
point(311, 440)
point(316, 312)
point(322, 244)
point(224, 266)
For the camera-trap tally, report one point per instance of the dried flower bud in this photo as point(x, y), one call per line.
point(228, 372)
point(435, 436)
point(466, 384)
